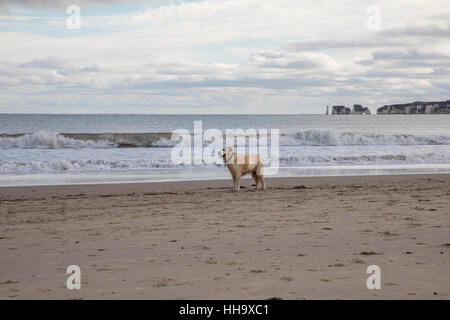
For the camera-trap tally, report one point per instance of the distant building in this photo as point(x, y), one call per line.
point(359, 109)
point(341, 110)
point(417, 107)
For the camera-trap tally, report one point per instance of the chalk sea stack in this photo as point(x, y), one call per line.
point(341, 110)
point(359, 109)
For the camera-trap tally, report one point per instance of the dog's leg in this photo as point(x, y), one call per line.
point(255, 177)
point(238, 182)
point(259, 173)
point(262, 182)
point(234, 183)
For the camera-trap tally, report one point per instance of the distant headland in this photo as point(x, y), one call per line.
point(417, 107)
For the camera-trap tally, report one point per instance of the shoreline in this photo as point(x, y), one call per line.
point(302, 238)
point(208, 174)
point(172, 187)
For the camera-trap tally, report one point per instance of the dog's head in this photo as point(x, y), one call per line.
point(226, 153)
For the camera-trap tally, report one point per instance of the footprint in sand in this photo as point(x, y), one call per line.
point(336, 265)
point(210, 261)
point(164, 282)
point(356, 260)
point(368, 253)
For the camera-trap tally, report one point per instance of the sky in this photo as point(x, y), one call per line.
point(221, 56)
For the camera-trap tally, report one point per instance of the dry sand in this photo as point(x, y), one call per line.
point(302, 238)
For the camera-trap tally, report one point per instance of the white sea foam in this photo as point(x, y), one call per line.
point(105, 152)
point(336, 138)
point(49, 140)
point(315, 137)
point(116, 159)
point(82, 165)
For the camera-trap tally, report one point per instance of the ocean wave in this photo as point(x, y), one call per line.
point(102, 165)
point(389, 158)
point(50, 140)
point(41, 166)
point(335, 138)
point(53, 140)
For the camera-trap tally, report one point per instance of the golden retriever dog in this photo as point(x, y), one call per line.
point(242, 164)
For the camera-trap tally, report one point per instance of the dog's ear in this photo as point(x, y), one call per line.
point(229, 149)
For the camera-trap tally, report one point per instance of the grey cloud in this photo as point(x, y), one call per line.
point(419, 31)
point(366, 62)
point(393, 73)
point(325, 44)
point(440, 72)
point(244, 82)
point(394, 37)
point(47, 63)
point(180, 82)
point(409, 59)
point(268, 55)
point(291, 64)
point(62, 67)
point(280, 60)
point(41, 72)
point(412, 54)
point(442, 84)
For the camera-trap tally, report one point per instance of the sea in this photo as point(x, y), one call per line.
point(54, 149)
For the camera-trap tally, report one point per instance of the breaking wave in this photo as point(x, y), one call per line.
point(335, 138)
point(388, 158)
point(82, 165)
point(300, 159)
point(53, 140)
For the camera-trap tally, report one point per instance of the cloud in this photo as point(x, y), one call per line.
point(47, 63)
point(283, 60)
point(410, 36)
point(271, 74)
point(410, 54)
point(436, 30)
point(203, 56)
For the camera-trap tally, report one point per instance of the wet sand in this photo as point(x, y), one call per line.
point(303, 238)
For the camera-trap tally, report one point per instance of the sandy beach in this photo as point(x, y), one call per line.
point(302, 238)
